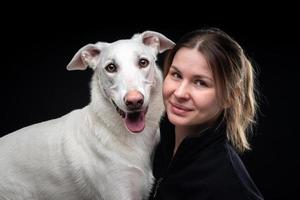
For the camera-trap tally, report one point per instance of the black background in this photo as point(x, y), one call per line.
point(35, 85)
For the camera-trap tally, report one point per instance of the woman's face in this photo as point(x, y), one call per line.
point(189, 90)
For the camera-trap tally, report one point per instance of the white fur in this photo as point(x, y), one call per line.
point(89, 153)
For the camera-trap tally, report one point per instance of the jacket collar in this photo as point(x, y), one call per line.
point(191, 147)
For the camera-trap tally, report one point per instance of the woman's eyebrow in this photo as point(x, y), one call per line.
point(203, 77)
point(175, 68)
point(197, 76)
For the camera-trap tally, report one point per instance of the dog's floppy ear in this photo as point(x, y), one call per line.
point(86, 56)
point(157, 40)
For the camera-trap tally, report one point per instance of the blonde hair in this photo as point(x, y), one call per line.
point(234, 76)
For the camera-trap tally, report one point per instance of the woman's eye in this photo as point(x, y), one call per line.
point(143, 63)
point(200, 83)
point(176, 75)
point(111, 68)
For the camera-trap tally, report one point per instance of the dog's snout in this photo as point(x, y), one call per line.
point(134, 100)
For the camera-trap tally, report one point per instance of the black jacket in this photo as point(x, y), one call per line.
point(204, 167)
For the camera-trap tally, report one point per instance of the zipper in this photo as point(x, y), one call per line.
point(157, 186)
point(162, 178)
point(165, 174)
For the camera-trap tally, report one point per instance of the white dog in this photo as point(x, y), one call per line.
point(103, 150)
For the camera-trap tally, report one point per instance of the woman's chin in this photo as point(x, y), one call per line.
point(177, 119)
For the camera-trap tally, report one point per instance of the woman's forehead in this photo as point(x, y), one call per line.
point(192, 61)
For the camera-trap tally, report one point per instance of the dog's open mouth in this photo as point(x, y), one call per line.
point(134, 121)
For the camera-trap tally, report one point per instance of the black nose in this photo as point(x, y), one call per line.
point(134, 105)
point(134, 100)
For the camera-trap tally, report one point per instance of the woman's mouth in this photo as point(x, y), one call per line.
point(179, 109)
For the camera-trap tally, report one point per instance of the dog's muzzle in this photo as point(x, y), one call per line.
point(134, 119)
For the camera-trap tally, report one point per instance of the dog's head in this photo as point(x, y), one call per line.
point(126, 71)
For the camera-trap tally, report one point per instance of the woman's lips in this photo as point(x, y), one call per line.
point(179, 109)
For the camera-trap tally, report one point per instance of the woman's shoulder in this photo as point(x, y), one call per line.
point(219, 173)
point(230, 176)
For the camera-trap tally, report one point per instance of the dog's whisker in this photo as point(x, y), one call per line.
point(120, 111)
point(149, 82)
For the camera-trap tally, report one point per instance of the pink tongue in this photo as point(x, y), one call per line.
point(135, 122)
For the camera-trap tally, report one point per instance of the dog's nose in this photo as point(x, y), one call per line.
point(134, 100)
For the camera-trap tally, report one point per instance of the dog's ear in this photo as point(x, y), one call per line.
point(157, 40)
point(86, 56)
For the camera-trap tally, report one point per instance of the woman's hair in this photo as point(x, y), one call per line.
point(234, 76)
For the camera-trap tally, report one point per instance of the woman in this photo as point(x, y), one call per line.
point(210, 103)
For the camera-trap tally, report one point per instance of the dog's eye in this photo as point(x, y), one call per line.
point(111, 68)
point(143, 63)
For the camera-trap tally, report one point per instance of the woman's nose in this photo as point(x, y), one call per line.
point(181, 92)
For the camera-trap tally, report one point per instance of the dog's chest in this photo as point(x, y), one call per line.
point(122, 181)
